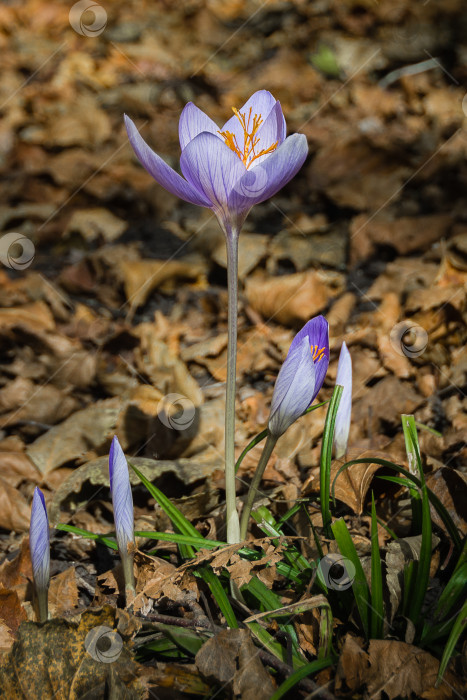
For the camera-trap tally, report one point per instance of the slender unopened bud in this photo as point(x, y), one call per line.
point(122, 500)
point(342, 426)
point(301, 376)
point(39, 546)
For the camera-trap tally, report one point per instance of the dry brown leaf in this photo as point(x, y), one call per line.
point(140, 277)
point(167, 372)
point(14, 511)
point(252, 249)
point(353, 483)
point(289, 299)
point(25, 401)
point(35, 317)
point(17, 467)
point(252, 351)
point(231, 657)
point(63, 593)
point(406, 234)
point(338, 166)
point(399, 669)
point(16, 572)
point(96, 223)
point(91, 428)
point(450, 486)
point(12, 613)
point(352, 668)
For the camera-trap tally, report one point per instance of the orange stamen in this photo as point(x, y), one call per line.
point(247, 153)
point(316, 354)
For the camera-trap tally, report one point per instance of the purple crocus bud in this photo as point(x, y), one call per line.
point(301, 376)
point(122, 499)
point(232, 168)
point(342, 426)
point(39, 546)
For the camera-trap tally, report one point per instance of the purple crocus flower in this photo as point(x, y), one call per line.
point(342, 426)
point(230, 169)
point(301, 376)
point(39, 546)
point(39, 541)
point(122, 499)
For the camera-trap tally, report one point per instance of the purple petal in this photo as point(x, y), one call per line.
point(160, 171)
point(342, 426)
point(210, 166)
point(192, 122)
point(294, 386)
point(121, 496)
point(272, 131)
point(263, 181)
point(317, 332)
point(39, 540)
point(261, 102)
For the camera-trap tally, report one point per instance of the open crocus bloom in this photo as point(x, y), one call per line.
point(301, 376)
point(230, 169)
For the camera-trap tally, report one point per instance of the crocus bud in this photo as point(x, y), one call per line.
point(122, 500)
point(342, 426)
point(301, 376)
point(39, 546)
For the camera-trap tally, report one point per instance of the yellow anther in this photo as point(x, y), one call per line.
point(246, 153)
point(316, 354)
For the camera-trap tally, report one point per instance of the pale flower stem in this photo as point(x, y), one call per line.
point(233, 524)
point(42, 604)
point(250, 499)
point(128, 576)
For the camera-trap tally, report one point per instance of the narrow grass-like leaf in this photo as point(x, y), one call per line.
point(411, 448)
point(359, 584)
point(436, 503)
point(179, 521)
point(462, 556)
point(377, 609)
point(325, 632)
point(455, 587)
point(300, 674)
point(268, 600)
point(290, 513)
point(268, 525)
point(458, 628)
point(423, 426)
point(198, 542)
point(326, 458)
point(215, 586)
point(102, 539)
point(419, 589)
point(270, 644)
point(190, 641)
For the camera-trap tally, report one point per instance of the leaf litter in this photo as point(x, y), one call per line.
point(125, 303)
